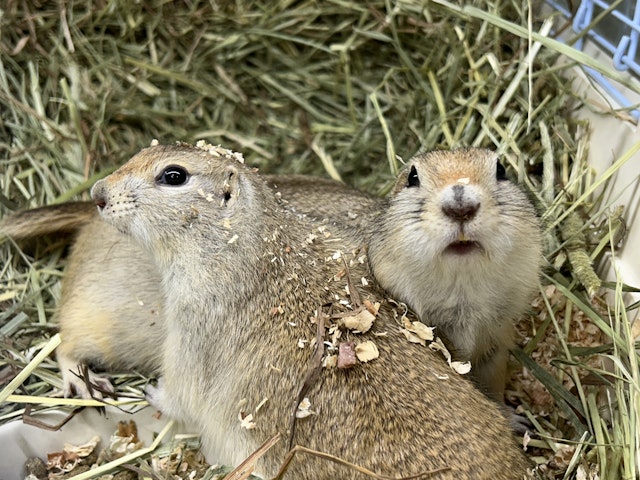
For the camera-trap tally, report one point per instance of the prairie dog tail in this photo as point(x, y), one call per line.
point(65, 218)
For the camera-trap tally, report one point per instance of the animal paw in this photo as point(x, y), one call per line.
point(155, 394)
point(80, 381)
point(519, 423)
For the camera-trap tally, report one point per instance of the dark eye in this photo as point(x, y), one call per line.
point(501, 173)
point(173, 176)
point(412, 179)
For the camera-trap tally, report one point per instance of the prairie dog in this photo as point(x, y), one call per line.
point(242, 277)
point(112, 318)
point(461, 245)
point(110, 313)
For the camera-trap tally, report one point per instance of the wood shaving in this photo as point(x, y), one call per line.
point(323, 230)
point(262, 404)
point(218, 151)
point(526, 438)
point(591, 474)
point(417, 332)
point(304, 409)
point(361, 322)
point(367, 351)
point(372, 307)
point(330, 361)
point(438, 346)
point(335, 334)
point(461, 368)
point(340, 275)
point(246, 420)
point(421, 330)
point(122, 442)
point(66, 460)
point(207, 196)
point(412, 337)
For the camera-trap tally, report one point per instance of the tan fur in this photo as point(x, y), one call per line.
point(472, 298)
point(229, 253)
point(110, 314)
point(62, 218)
point(328, 202)
point(110, 311)
point(113, 319)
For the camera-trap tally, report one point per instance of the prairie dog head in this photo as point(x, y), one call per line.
point(454, 220)
point(459, 204)
point(168, 197)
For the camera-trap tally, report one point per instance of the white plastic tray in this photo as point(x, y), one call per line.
point(18, 441)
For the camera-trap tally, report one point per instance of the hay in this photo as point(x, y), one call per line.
point(336, 88)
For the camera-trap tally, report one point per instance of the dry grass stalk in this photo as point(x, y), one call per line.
point(337, 87)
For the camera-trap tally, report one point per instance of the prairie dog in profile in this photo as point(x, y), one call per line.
point(242, 276)
point(110, 313)
point(460, 244)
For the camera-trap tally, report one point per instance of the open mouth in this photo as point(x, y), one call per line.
point(463, 246)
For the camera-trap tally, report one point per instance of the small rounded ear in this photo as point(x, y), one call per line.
point(501, 172)
point(408, 177)
point(412, 179)
point(231, 185)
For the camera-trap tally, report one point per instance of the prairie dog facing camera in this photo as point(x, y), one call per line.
point(228, 253)
point(460, 244)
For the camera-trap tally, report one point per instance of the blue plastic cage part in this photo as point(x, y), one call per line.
point(618, 32)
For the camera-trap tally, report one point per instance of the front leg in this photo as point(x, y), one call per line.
point(156, 395)
point(490, 373)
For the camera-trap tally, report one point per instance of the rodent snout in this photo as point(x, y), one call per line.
point(98, 195)
point(460, 203)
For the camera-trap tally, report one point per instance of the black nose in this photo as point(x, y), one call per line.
point(461, 212)
point(460, 207)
